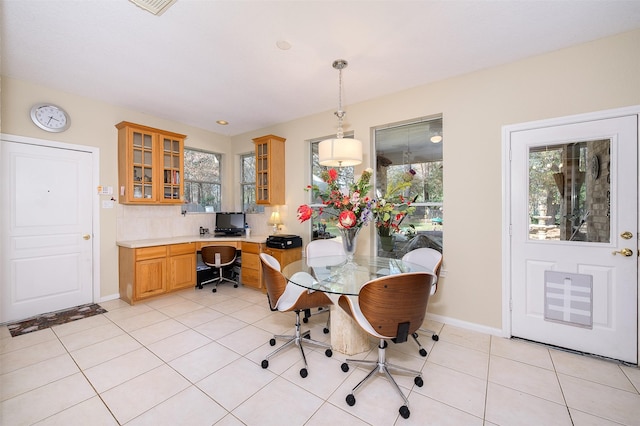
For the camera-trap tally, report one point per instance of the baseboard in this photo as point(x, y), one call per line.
point(110, 297)
point(466, 325)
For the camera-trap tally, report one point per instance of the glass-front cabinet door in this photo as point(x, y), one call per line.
point(150, 165)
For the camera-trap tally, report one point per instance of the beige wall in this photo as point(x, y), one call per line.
point(590, 77)
point(600, 75)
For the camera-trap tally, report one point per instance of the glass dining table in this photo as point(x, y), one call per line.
point(337, 276)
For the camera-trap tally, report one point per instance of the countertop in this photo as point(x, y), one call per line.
point(187, 239)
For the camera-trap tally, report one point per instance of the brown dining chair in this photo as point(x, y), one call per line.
point(432, 260)
point(389, 308)
point(219, 257)
point(285, 296)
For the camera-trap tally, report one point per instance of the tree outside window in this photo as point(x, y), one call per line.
point(202, 188)
point(248, 184)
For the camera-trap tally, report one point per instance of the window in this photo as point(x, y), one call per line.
point(248, 184)
point(202, 187)
point(321, 226)
point(412, 152)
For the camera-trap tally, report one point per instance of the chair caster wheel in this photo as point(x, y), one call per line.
point(404, 412)
point(418, 381)
point(199, 286)
point(235, 286)
point(351, 400)
point(328, 353)
point(305, 320)
point(272, 342)
point(214, 290)
point(325, 330)
point(435, 337)
point(304, 373)
point(415, 335)
point(265, 363)
point(344, 367)
point(423, 352)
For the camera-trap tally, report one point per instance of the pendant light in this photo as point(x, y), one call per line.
point(340, 152)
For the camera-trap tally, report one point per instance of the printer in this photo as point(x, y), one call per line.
point(283, 241)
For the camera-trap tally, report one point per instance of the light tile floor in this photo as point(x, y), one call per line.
point(193, 358)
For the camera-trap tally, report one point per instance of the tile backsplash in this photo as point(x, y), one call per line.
point(149, 222)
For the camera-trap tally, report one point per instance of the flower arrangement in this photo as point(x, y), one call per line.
point(390, 209)
point(350, 205)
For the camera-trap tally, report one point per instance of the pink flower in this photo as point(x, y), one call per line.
point(333, 175)
point(304, 213)
point(347, 219)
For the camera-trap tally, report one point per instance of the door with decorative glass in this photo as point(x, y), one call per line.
point(574, 236)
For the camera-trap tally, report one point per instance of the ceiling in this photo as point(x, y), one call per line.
point(202, 61)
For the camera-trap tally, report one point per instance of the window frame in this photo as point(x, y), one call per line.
point(199, 208)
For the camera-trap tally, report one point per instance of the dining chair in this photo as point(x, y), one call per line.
point(389, 308)
point(219, 257)
point(430, 259)
point(285, 296)
point(319, 248)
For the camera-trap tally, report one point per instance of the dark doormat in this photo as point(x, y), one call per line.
point(43, 321)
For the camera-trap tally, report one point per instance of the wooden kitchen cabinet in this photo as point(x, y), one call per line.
point(181, 264)
point(252, 268)
point(150, 165)
point(151, 271)
point(251, 272)
point(270, 177)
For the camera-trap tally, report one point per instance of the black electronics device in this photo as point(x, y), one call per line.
point(284, 241)
point(230, 223)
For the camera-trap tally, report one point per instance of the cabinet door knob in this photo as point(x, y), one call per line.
point(86, 236)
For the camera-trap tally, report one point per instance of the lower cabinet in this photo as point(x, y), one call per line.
point(251, 267)
point(150, 271)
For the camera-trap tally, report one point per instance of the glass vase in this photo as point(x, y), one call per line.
point(350, 241)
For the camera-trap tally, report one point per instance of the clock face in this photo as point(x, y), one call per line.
point(50, 117)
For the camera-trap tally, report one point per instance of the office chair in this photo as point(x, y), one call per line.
point(286, 296)
point(218, 257)
point(391, 307)
point(318, 248)
point(431, 259)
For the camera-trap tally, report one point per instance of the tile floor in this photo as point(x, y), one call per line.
point(193, 358)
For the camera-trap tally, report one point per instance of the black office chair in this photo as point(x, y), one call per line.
point(219, 257)
point(391, 307)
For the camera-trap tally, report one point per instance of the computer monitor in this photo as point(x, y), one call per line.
point(230, 223)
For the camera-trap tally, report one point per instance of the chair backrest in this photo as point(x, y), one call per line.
point(396, 305)
point(317, 248)
point(427, 257)
point(227, 255)
point(272, 278)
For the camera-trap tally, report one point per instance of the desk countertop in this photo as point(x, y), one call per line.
point(187, 239)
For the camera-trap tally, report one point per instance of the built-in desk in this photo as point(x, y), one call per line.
point(152, 267)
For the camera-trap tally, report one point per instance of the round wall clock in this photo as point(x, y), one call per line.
point(50, 117)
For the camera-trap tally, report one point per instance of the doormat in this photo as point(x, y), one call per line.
point(43, 321)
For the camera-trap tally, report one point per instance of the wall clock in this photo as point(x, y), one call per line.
point(50, 117)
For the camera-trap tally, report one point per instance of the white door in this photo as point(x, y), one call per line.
point(574, 236)
point(47, 229)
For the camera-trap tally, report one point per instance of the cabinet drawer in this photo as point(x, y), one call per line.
point(186, 248)
point(251, 247)
point(250, 261)
point(151, 252)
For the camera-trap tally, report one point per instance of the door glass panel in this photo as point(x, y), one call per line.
point(569, 191)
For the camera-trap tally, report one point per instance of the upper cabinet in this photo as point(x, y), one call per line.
point(269, 170)
point(150, 165)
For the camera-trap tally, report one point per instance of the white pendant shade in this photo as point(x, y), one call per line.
point(340, 152)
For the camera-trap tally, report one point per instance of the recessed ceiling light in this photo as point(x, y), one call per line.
point(222, 122)
point(283, 45)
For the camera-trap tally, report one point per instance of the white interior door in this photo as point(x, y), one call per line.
point(47, 229)
point(574, 236)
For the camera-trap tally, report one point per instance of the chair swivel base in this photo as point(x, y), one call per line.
point(217, 281)
point(298, 339)
point(383, 367)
